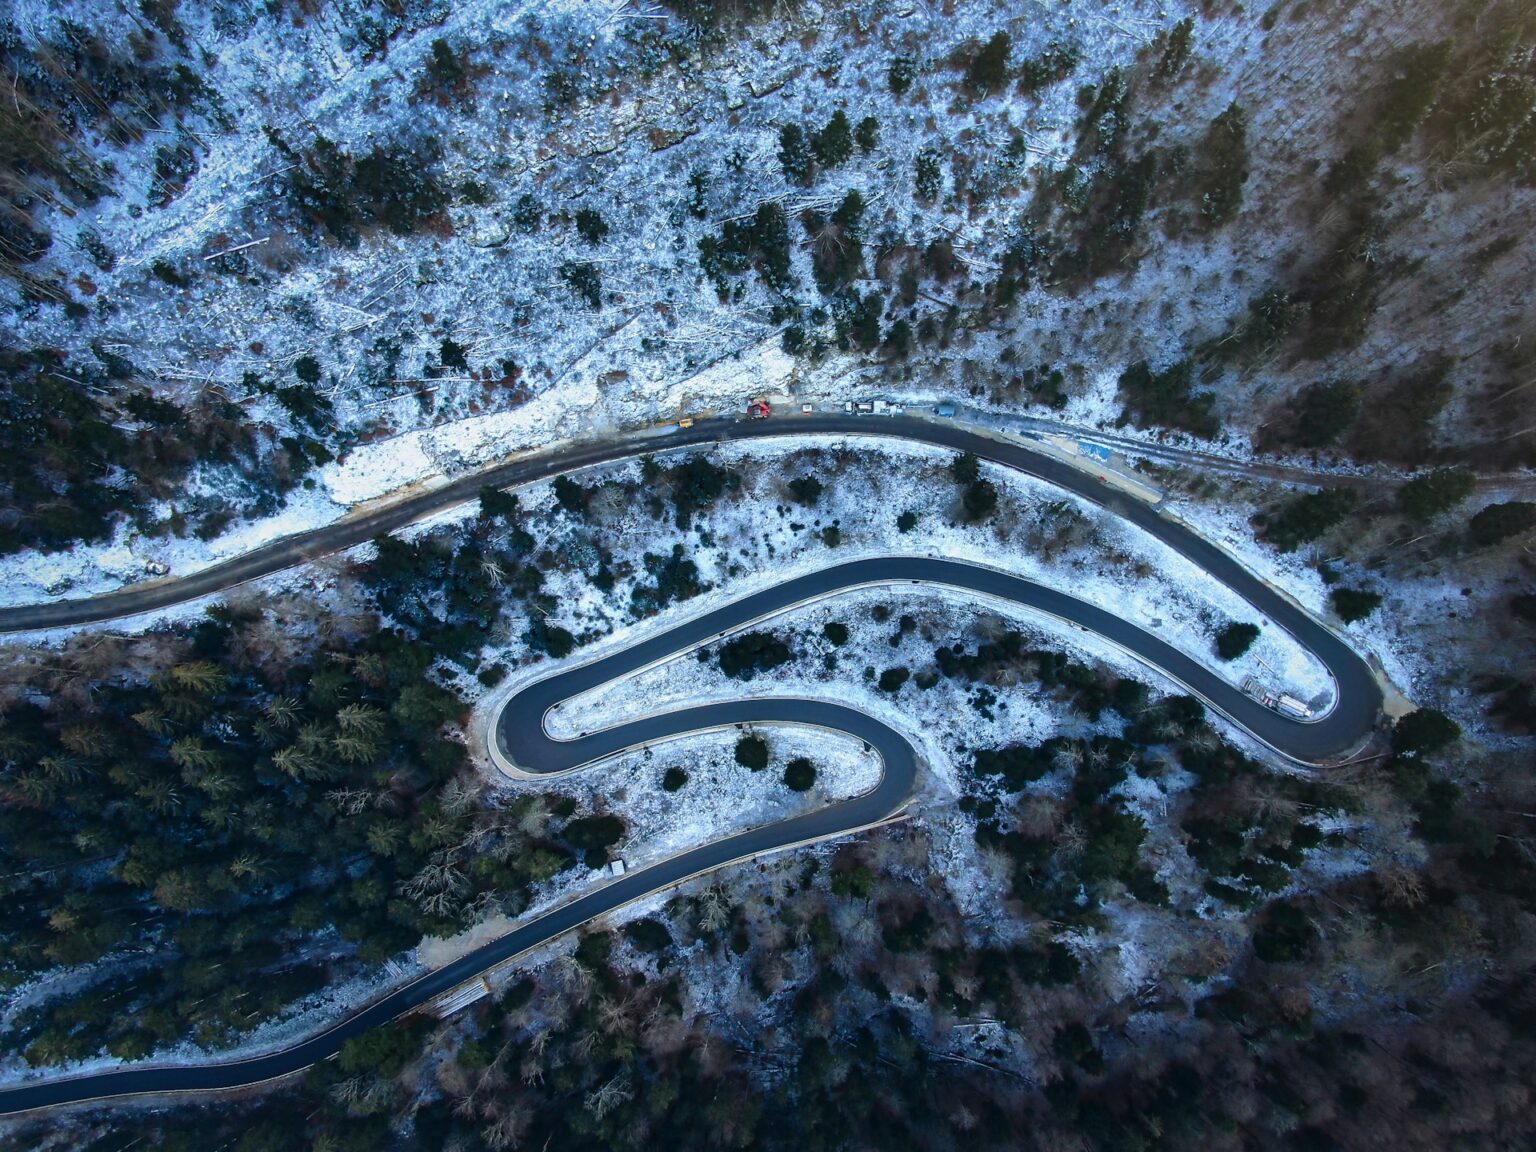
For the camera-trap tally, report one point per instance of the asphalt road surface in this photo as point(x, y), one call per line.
point(520, 737)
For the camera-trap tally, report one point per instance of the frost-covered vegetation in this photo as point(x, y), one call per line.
point(261, 262)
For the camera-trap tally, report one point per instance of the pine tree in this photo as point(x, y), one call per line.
point(833, 145)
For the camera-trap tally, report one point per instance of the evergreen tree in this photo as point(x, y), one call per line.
point(833, 145)
point(988, 71)
point(1427, 495)
point(795, 154)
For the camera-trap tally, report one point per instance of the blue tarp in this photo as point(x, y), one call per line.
point(1097, 451)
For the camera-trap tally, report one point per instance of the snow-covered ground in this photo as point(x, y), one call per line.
point(1040, 532)
point(627, 145)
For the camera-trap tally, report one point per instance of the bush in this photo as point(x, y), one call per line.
point(752, 752)
point(930, 176)
point(1307, 517)
point(528, 213)
point(1406, 99)
point(385, 1051)
point(543, 636)
point(1523, 607)
point(1224, 166)
point(1286, 936)
point(648, 935)
point(744, 656)
point(1425, 497)
point(1351, 604)
point(1499, 522)
point(892, 679)
point(906, 521)
point(799, 774)
point(989, 70)
point(591, 226)
point(1165, 398)
point(584, 281)
point(761, 243)
point(795, 153)
point(453, 354)
point(867, 134)
point(833, 145)
point(980, 501)
point(899, 76)
point(594, 833)
point(1176, 49)
point(806, 490)
point(1323, 412)
point(1235, 639)
point(394, 186)
point(673, 780)
point(965, 468)
point(836, 632)
point(1424, 731)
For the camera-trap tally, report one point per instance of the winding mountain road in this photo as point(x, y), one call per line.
point(306, 547)
point(519, 739)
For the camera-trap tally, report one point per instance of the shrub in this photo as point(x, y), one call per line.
point(762, 243)
point(899, 76)
point(806, 490)
point(799, 774)
point(453, 354)
point(930, 177)
point(384, 1052)
point(795, 153)
point(545, 637)
point(1323, 411)
point(965, 468)
point(673, 779)
point(988, 71)
point(744, 656)
point(1409, 95)
point(594, 833)
point(1426, 496)
point(867, 134)
point(584, 281)
point(1286, 936)
point(836, 632)
point(1351, 604)
point(1176, 49)
point(752, 752)
point(1165, 398)
point(1523, 607)
point(1224, 166)
point(906, 521)
point(980, 501)
point(1500, 521)
point(833, 145)
point(648, 935)
point(1307, 517)
point(591, 226)
point(1424, 731)
point(528, 213)
point(892, 679)
point(1235, 639)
